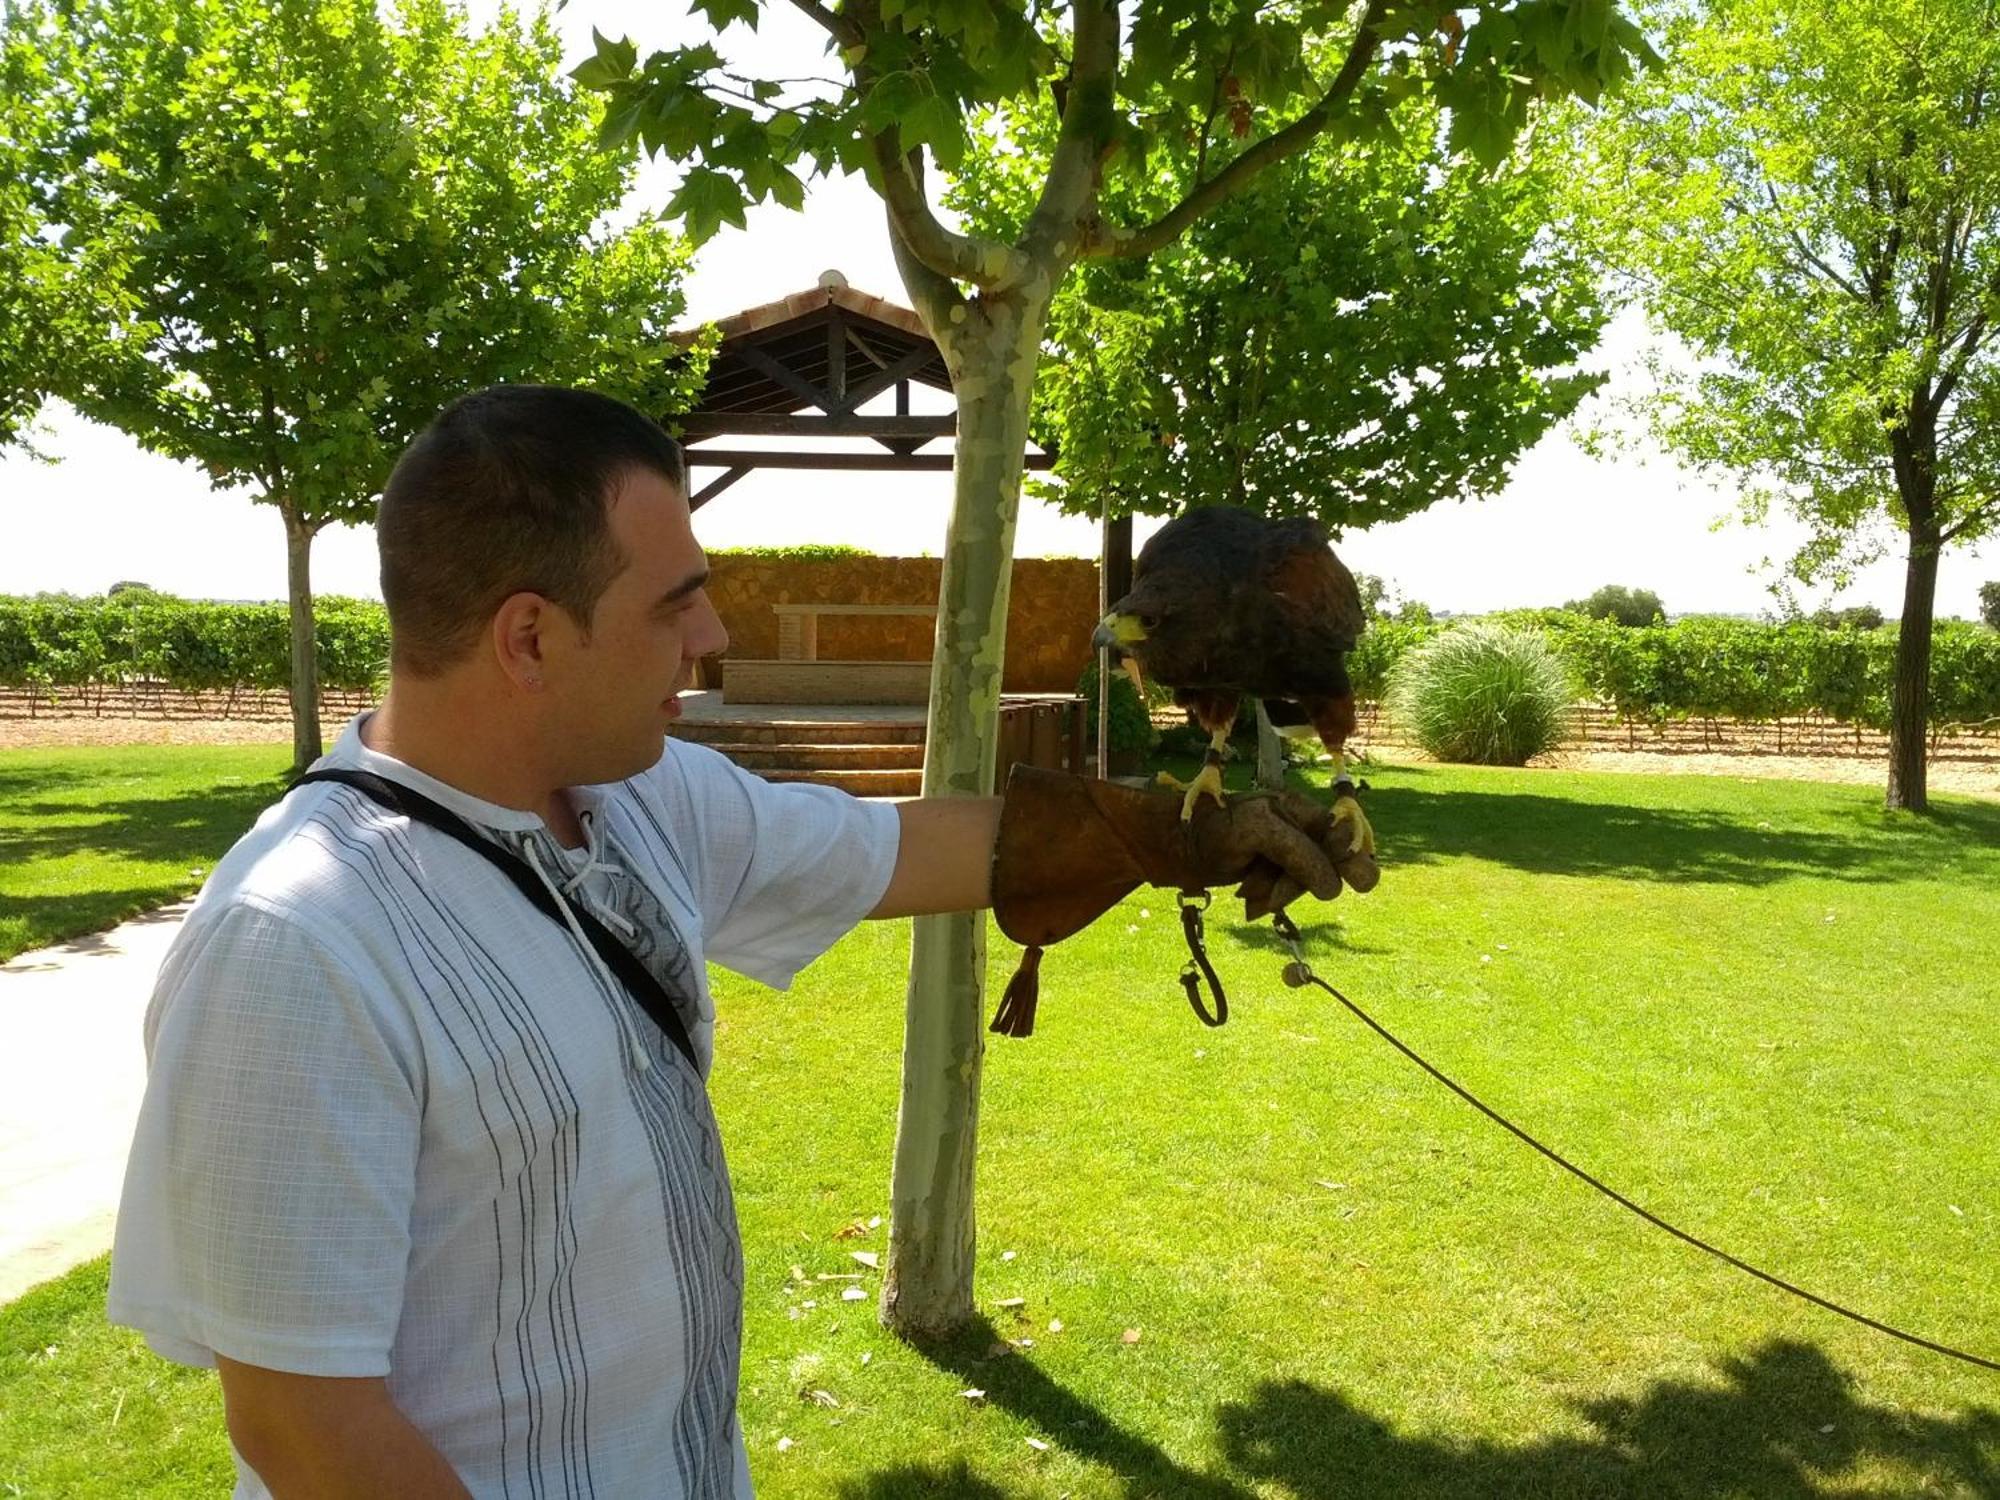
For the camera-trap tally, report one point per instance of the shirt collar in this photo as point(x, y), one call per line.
point(351, 753)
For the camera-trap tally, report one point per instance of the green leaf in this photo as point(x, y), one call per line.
point(705, 200)
point(723, 13)
point(787, 189)
point(612, 63)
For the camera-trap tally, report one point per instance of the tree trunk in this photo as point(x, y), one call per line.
point(306, 747)
point(1909, 712)
point(1270, 752)
point(927, 1289)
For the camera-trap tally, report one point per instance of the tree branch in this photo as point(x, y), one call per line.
point(899, 176)
point(1805, 251)
point(1899, 201)
point(936, 298)
point(1214, 103)
point(1955, 368)
point(1053, 231)
point(1978, 515)
point(1294, 138)
point(836, 26)
point(984, 263)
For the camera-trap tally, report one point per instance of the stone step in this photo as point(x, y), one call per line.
point(861, 783)
point(799, 732)
point(822, 757)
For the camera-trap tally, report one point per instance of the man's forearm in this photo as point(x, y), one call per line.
point(945, 860)
point(315, 1438)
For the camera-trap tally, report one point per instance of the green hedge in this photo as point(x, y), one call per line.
point(1706, 667)
point(1693, 668)
point(59, 641)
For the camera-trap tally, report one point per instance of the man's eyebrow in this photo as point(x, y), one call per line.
point(685, 587)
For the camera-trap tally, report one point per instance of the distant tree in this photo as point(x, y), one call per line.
point(1810, 200)
point(1368, 328)
point(128, 586)
point(1854, 617)
point(1626, 606)
point(314, 224)
point(1381, 600)
point(39, 324)
point(1374, 590)
point(1989, 603)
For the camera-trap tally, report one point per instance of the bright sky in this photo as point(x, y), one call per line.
point(1565, 524)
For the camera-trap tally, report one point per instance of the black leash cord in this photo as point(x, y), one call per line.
point(1299, 973)
point(1198, 968)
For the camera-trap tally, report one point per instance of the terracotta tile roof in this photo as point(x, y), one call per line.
point(804, 304)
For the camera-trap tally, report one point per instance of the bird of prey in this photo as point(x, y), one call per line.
point(1225, 603)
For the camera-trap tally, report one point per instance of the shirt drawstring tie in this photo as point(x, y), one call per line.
point(637, 1049)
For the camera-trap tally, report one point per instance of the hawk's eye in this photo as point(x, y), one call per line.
point(1149, 622)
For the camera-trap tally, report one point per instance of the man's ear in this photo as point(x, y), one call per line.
point(517, 632)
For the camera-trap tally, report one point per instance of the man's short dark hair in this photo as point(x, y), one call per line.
point(508, 489)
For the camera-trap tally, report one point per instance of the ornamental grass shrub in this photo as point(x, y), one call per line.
point(1482, 694)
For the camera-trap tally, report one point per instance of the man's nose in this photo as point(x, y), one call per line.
point(710, 637)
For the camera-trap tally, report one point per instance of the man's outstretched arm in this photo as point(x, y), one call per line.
point(945, 860)
point(1075, 845)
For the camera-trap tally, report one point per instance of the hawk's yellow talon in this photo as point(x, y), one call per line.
point(1207, 782)
point(1364, 832)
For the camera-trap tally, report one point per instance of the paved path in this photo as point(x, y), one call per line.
point(72, 1067)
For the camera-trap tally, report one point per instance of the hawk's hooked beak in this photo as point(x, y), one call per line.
point(1116, 632)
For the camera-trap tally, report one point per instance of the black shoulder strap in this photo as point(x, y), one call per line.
point(636, 977)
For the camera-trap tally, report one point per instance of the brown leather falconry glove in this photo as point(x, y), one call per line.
point(1071, 848)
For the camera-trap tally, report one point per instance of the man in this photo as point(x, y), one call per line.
point(415, 1171)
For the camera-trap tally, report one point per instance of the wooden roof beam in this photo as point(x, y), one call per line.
point(936, 463)
point(698, 425)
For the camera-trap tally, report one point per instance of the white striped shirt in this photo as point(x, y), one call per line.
point(400, 1123)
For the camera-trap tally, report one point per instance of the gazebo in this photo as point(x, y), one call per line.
point(833, 349)
point(800, 369)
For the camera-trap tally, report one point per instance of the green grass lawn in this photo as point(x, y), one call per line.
point(1766, 1010)
point(89, 837)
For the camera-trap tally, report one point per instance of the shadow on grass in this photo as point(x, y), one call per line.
point(79, 926)
point(1575, 836)
point(83, 869)
point(195, 826)
point(1782, 1424)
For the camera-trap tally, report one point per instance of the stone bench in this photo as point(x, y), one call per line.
point(750, 680)
point(798, 626)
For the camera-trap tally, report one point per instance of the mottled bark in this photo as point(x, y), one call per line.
point(1270, 751)
point(927, 1290)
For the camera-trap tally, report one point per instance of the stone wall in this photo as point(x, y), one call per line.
point(1052, 608)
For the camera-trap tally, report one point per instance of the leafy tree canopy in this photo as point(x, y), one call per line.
point(1626, 606)
point(1246, 84)
point(308, 226)
point(1989, 603)
point(1810, 199)
point(1367, 328)
point(301, 227)
point(1853, 617)
point(1813, 204)
point(39, 318)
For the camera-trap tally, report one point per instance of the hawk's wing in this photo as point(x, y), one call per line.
point(1312, 588)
